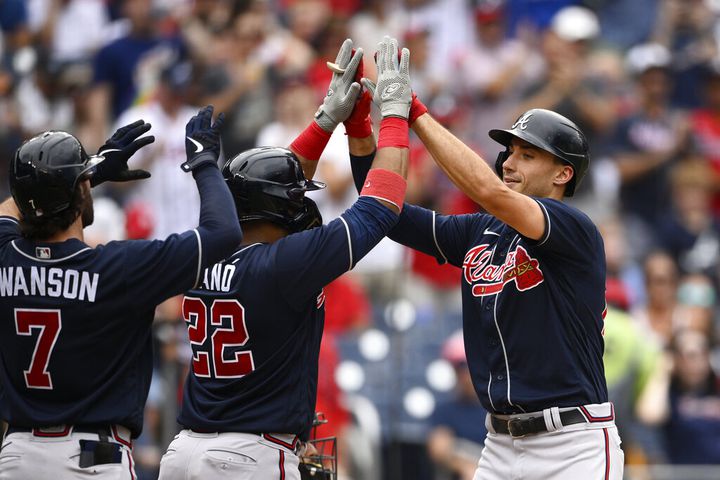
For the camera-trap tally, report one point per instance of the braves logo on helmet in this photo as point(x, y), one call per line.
point(522, 122)
point(489, 279)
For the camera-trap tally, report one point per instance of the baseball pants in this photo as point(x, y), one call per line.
point(588, 451)
point(27, 455)
point(230, 455)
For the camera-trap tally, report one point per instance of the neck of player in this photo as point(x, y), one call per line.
point(260, 231)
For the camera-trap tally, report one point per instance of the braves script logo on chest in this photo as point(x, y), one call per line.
point(488, 279)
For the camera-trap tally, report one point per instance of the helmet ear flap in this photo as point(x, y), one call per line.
point(502, 156)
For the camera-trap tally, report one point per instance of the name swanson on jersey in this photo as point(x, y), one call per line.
point(51, 282)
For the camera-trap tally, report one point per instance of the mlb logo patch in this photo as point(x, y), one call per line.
point(42, 253)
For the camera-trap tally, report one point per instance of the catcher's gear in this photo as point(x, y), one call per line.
point(343, 90)
point(553, 133)
point(112, 157)
point(392, 92)
point(320, 460)
point(268, 183)
point(45, 172)
point(202, 140)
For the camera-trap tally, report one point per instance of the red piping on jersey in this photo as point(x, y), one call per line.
point(592, 419)
point(39, 433)
point(607, 455)
point(282, 465)
point(117, 437)
point(277, 441)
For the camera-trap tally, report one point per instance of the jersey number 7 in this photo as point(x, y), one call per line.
point(48, 323)
point(227, 320)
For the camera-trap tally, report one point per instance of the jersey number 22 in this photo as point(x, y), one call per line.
point(226, 318)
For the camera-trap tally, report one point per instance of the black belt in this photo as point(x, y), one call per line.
point(519, 427)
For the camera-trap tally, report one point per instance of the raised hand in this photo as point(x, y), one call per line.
point(111, 160)
point(393, 93)
point(343, 90)
point(202, 139)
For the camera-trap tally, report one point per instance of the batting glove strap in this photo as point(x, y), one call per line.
point(198, 160)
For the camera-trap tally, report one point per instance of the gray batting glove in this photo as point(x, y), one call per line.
point(393, 93)
point(343, 90)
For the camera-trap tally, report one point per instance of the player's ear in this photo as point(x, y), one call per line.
point(563, 175)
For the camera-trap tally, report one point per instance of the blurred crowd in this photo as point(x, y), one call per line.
point(640, 77)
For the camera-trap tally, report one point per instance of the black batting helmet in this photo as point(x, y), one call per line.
point(553, 133)
point(45, 172)
point(268, 184)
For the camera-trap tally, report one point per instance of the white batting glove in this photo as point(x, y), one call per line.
point(343, 90)
point(393, 93)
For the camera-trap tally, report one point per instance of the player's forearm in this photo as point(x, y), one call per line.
point(467, 170)
point(219, 227)
point(8, 208)
point(361, 147)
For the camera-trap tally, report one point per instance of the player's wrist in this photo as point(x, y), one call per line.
point(311, 143)
point(359, 128)
point(394, 132)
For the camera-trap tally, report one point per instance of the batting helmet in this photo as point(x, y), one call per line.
point(553, 133)
point(268, 184)
point(45, 172)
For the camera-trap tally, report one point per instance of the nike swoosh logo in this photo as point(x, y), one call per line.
point(490, 232)
point(198, 145)
point(102, 154)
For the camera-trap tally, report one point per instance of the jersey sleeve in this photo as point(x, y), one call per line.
point(9, 229)
point(444, 237)
point(568, 231)
point(159, 269)
point(307, 261)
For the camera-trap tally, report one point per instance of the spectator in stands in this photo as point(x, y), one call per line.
point(566, 87)
point(659, 314)
point(648, 142)
point(705, 123)
point(126, 69)
point(688, 29)
point(171, 201)
point(458, 433)
point(55, 26)
point(690, 232)
point(689, 409)
point(492, 72)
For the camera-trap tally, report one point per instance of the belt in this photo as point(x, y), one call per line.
point(102, 431)
point(519, 427)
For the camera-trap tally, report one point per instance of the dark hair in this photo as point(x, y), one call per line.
point(42, 228)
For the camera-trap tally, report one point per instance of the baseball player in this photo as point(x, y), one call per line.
point(256, 321)
point(75, 340)
point(533, 282)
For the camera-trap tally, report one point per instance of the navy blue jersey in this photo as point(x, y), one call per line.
point(532, 310)
point(255, 325)
point(75, 336)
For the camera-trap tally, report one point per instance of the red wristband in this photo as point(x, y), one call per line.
point(417, 108)
point(311, 142)
point(393, 133)
point(385, 185)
